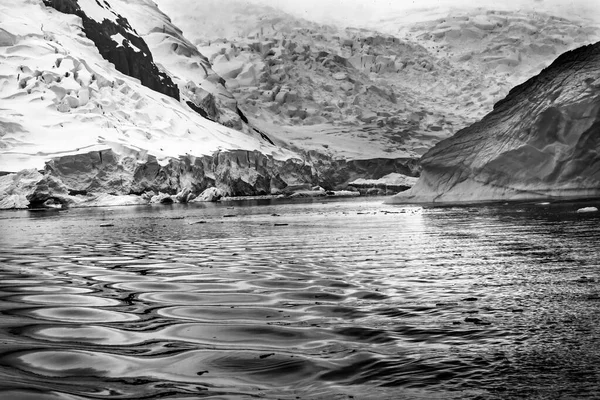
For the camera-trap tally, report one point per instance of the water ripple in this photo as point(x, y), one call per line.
point(350, 299)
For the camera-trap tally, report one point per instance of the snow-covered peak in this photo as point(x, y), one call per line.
point(59, 96)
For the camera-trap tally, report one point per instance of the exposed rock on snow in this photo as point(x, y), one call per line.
point(542, 141)
point(118, 42)
point(188, 68)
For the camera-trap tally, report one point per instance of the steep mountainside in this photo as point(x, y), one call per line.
point(110, 99)
point(379, 94)
point(197, 82)
point(542, 141)
point(63, 95)
point(400, 92)
point(98, 117)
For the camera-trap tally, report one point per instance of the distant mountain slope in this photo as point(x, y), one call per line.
point(401, 91)
point(508, 47)
point(542, 141)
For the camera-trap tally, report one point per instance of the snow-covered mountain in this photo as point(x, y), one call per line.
point(60, 96)
point(541, 142)
point(392, 95)
point(77, 79)
point(127, 101)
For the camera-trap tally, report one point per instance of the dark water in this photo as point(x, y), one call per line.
point(326, 300)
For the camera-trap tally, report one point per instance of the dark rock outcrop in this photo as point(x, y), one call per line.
point(542, 141)
point(132, 57)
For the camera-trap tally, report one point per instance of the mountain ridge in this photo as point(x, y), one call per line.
point(540, 142)
point(398, 89)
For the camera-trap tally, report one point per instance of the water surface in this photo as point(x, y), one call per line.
point(308, 300)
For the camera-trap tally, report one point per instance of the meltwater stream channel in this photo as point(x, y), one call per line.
point(300, 300)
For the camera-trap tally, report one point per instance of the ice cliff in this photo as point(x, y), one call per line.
point(542, 141)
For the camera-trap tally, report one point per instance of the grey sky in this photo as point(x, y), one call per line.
point(357, 12)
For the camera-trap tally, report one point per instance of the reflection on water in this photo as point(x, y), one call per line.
point(333, 300)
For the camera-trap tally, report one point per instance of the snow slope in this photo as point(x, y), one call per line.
point(191, 70)
point(58, 96)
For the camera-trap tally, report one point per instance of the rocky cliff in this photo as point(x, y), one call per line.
point(542, 141)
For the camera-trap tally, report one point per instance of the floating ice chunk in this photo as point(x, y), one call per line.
point(587, 210)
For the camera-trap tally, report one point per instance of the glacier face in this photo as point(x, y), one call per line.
point(542, 141)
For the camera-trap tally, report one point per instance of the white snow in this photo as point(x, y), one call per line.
point(101, 108)
point(117, 37)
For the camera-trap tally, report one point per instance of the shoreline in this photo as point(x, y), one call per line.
point(427, 205)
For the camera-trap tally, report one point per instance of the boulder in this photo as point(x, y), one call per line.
point(347, 86)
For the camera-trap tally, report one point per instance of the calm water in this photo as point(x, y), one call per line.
point(317, 300)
